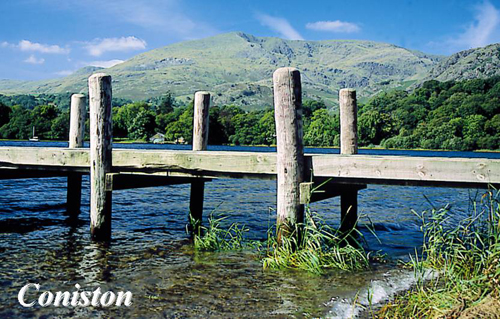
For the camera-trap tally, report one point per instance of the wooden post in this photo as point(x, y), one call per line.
point(100, 96)
point(348, 146)
point(200, 142)
point(348, 210)
point(200, 120)
point(290, 156)
point(348, 122)
point(76, 135)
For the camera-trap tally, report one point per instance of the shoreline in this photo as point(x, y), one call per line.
point(128, 141)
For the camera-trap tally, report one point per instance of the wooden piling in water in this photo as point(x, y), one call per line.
point(100, 95)
point(200, 142)
point(290, 149)
point(78, 113)
point(348, 146)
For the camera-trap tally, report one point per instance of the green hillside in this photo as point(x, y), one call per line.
point(237, 68)
point(480, 63)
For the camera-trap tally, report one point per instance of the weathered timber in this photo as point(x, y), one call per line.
point(201, 120)
point(320, 190)
point(408, 170)
point(200, 142)
point(100, 155)
point(348, 146)
point(348, 122)
point(348, 210)
point(306, 189)
point(290, 149)
point(78, 113)
point(359, 169)
point(118, 181)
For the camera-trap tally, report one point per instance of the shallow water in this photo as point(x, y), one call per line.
point(150, 255)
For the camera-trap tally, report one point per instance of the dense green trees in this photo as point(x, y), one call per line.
point(322, 129)
point(438, 115)
point(5, 112)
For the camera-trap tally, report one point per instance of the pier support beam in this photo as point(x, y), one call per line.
point(76, 134)
point(290, 149)
point(200, 142)
point(100, 96)
point(348, 146)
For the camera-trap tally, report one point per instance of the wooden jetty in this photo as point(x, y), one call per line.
point(297, 174)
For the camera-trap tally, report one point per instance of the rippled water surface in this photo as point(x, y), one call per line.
point(150, 254)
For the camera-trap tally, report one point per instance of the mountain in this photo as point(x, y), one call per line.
point(237, 68)
point(470, 64)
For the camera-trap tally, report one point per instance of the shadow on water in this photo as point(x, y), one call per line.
point(26, 225)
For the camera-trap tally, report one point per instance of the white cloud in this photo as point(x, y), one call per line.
point(100, 46)
point(481, 32)
point(29, 46)
point(280, 25)
point(33, 60)
point(105, 64)
point(334, 26)
point(165, 16)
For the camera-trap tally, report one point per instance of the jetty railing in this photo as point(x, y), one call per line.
point(296, 173)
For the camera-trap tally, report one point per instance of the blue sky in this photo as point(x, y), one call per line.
point(42, 39)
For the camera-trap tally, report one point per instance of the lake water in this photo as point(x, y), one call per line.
point(150, 254)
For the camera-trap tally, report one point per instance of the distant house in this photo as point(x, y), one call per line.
point(158, 138)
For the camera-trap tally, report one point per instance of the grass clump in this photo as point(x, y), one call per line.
point(216, 238)
point(466, 258)
point(315, 247)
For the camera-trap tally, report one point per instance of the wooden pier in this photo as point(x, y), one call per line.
point(297, 174)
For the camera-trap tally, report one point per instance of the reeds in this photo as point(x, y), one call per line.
point(466, 257)
point(315, 247)
point(216, 238)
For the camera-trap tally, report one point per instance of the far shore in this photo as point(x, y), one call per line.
point(373, 147)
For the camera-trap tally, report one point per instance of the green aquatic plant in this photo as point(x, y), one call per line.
point(466, 258)
point(315, 247)
point(214, 237)
point(312, 246)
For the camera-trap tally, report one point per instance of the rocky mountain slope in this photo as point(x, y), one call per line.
point(470, 64)
point(237, 68)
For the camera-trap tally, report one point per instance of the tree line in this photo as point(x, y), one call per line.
point(438, 115)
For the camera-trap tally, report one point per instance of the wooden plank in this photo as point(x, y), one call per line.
point(406, 169)
point(305, 192)
point(368, 169)
point(316, 191)
point(38, 156)
point(225, 164)
point(117, 181)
